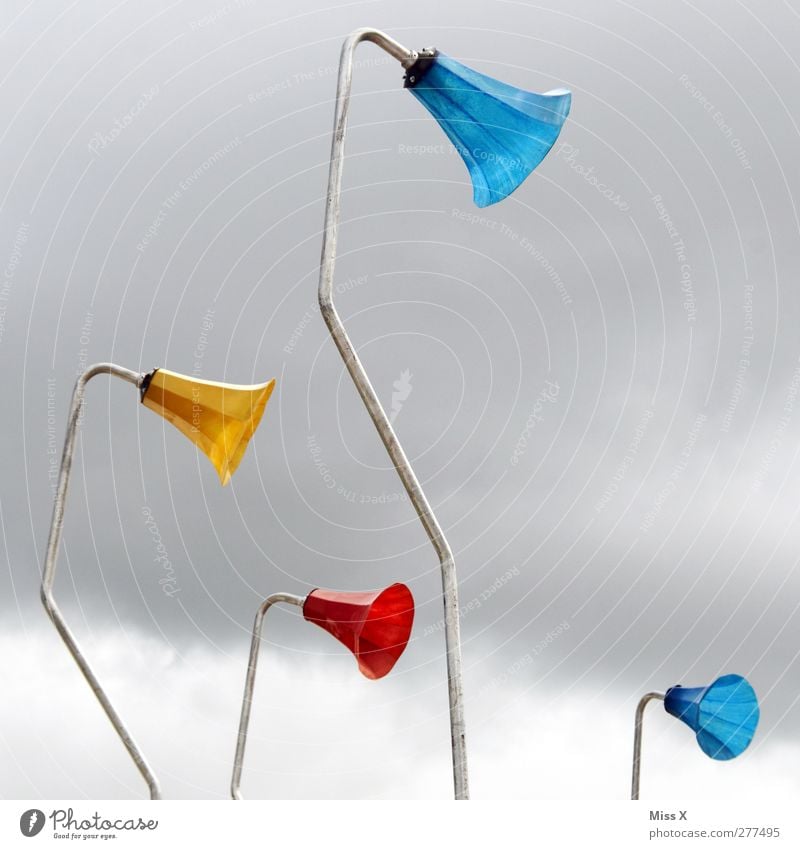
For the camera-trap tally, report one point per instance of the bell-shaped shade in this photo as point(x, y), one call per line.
point(375, 626)
point(501, 132)
point(723, 715)
point(219, 418)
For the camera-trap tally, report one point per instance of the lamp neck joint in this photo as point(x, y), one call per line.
point(421, 65)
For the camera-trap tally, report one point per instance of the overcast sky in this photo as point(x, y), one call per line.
point(603, 394)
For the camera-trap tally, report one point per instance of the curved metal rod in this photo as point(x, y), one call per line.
point(51, 558)
point(344, 345)
point(637, 740)
point(249, 683)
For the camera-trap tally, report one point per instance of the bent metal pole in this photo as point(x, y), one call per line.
point(51, 559)
point(250, 682)
point(637, 740)
point(406, 58)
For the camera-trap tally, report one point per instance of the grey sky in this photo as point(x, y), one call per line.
point(163, 178)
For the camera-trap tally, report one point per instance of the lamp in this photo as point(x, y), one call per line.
point(514, 129)
point(501, 132)
point(375, 627)
point(219, 418)
point(724, 716)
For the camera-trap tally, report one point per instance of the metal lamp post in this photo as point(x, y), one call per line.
point(724, 716)
point(637, 740)
point(473, 110)
point(375, 626)
point(220, 418)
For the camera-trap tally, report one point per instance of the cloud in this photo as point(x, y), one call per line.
point(163, 180)
point(321, 731)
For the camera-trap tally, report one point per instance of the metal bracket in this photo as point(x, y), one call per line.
point(415, 72)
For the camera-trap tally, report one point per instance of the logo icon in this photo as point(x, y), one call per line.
point(402, 389)
point(31, 822)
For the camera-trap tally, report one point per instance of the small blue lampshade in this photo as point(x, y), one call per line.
point(723, 715)
point(501, 132)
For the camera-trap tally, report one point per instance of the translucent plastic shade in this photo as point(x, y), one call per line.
point(219, 418)
point(375, 626)
point(501, 132)
point(724, 715)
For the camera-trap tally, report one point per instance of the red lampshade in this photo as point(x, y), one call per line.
point(375, 626)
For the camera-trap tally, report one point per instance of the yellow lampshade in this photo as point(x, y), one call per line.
point(219, 418)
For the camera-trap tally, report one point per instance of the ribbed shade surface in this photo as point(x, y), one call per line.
point(501, 132)
point(724, 715)
point(375, 626)
point(220, 418)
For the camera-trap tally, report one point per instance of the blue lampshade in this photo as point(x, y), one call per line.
point(723, 715)
point(501, 132)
